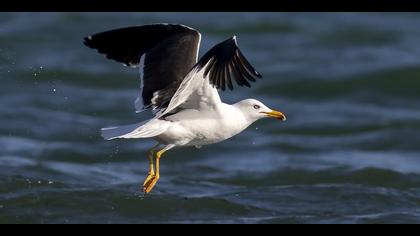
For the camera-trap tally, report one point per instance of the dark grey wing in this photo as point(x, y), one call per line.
point(170, 53)
point(224, 63)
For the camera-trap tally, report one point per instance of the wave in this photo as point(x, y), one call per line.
point(396, 83)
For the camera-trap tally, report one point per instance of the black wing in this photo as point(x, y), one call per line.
point(170, 53)
point(225, 62)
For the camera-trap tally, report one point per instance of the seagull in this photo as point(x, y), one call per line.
point(180, 90)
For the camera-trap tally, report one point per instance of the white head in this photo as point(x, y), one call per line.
point(254, 110)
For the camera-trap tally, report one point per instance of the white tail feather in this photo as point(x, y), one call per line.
point(117, 132)
point(141, 130)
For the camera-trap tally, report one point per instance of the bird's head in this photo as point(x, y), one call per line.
point(254, 110)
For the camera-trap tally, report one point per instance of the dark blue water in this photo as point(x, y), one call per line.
point(349, 84)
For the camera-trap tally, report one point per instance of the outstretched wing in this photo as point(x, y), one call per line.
point(170, 51)
point(224, 63)
point(215, 70)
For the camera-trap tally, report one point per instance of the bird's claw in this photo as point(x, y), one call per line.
point(149, 183)
point(148, 178)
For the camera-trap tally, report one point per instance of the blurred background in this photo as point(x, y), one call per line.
point(349, 84)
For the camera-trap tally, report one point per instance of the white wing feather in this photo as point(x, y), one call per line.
point(195, 92)
point(138, 103)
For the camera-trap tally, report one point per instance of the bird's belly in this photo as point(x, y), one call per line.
point(197, 132)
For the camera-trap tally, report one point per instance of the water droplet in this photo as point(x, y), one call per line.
point(35, 74)
point(39, 182)
point(50, 182)
point(1, 206)
point(54, 90)
point(256, 128)
point(41, 67)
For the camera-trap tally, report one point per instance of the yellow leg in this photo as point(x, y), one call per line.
point(148, 186)
point(151, 174)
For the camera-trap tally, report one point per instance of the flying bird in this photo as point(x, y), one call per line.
point(180, 90)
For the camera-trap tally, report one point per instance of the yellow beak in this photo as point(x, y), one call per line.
point(275, 114)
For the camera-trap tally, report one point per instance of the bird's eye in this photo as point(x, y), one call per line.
point(256, 107)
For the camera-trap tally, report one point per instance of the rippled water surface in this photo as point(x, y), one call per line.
point(349, 84)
